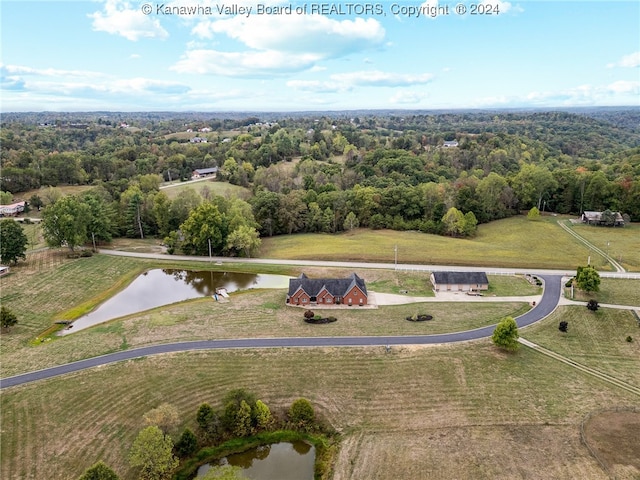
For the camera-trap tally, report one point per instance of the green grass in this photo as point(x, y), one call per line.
point(466, 398)
point(511, 286)
point(623, 243)
point(223, 189)
point(615, 291)
point(413, 284)
point(512, 242)
point(595, 339)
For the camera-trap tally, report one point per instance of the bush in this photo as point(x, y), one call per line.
point(186, 444)
point(309, 314)
point(563, 327)
point(302, 414)
point(569, 283)
point(629, 339)
point(86, 253)
point(593, 305)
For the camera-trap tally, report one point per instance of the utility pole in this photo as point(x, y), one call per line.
point(395, 250)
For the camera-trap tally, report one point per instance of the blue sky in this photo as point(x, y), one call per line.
point(109, 55)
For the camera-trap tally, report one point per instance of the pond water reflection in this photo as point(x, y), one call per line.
point(158, 287)
point(279, 461)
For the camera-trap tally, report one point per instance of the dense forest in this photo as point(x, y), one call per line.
point(437, 172)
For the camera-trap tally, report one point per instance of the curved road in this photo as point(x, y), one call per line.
point(548, 303)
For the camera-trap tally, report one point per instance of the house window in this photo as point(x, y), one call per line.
point(304, 300)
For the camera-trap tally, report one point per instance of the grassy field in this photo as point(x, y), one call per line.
point(223, 189)
point(614, 291)
point(623, 243)
point(65, 293)
point(442, 411)
point(512, 242)
point(595, 339)
point(433, 412)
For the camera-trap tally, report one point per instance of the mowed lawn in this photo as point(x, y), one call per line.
point(223, 189)
point(513, 242)
point(445, 412)
point(615, 291)
point(442, 411)
point(623, 244)
point(72, 287)
point(595, 339)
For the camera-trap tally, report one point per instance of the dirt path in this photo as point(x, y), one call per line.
point(616, 265)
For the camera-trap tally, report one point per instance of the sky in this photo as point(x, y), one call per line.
point(288, 55)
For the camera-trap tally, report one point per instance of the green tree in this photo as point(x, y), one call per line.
point(101, 220)
point(6, 198)
point(262, 415)
point(208, 422)
point(506, 334)
point(454, 222)
point(186, 444)
point(7, 318)
point(588, 279)
point(13, 241)
point(152, 454)
point(534, 214)
point(65, 222)
point(351, 221)
point(99, 471)
point(242, 423)
point(302, 414)
point(470, 224)
point(244, 240)
point(532, 182)
point(205, 224)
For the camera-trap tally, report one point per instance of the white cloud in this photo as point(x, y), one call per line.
point(302, 33)
point(243, 64)
point(382, 79)
point(118, 18)
point(278, 44)
point(406, 97)
point(47, 72)
point(624, 86)
point(628, 61)
point(344, 82)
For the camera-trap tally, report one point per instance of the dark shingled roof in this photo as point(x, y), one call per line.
point(337, 287)
point(460, 278)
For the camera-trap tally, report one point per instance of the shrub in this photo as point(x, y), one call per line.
point(86, 253)
point(629, 339)
point(302, 414)
point(593, 305)
point(564, 326)
point(569, 283)
point(309, 314)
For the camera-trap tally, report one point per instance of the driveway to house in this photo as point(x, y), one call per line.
point(547, 304)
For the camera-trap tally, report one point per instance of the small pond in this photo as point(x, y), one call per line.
point(279, 461)
point(158, 287)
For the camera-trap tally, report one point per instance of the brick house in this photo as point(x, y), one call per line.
point(327, 291)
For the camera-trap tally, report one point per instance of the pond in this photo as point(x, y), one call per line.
point(158, 287)
point(278, 461)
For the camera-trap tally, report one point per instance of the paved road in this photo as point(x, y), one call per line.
point(549, 301)
point(400, 266)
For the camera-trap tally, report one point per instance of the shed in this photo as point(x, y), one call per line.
point(459, 281)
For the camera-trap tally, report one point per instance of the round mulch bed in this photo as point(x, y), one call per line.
point(420, 318)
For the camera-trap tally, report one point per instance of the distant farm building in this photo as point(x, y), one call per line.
point(459, 281)
point(204, 172)
point(450, 144)
point(327, 291)
point(198, 140)
point(13, 209)
point(606, 218)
